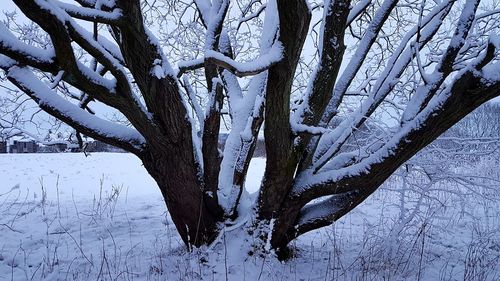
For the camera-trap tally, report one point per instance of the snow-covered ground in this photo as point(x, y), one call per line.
point(71, 217)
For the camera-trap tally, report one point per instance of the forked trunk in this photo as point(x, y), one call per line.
point(183, 195)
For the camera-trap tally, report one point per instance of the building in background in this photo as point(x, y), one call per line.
point(23, 146)
point(3, 147)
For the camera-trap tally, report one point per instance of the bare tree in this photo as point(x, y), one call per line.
point(313, 72)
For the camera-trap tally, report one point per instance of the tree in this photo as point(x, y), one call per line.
point(421, 67)
point(472, 139)
point(482, 123)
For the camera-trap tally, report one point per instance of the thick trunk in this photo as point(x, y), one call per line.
point(180, 186)
point(281, 160)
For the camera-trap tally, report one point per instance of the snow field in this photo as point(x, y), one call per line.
point(71, 217)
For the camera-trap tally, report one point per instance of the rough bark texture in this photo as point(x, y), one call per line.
point(169, 157)
point(280, 163)
point(177, 179)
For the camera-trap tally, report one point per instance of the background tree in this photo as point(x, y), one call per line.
point(348, 92)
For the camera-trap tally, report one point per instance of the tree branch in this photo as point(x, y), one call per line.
point(262, 63)
point(470, 89)
point(71, 114)
point(319, 90)
point(62, 31)
point(247, 113)
point(445, 67)
point(294, 19)
point(357, 59)
point(330, 144)
point(322, 214)
point(26, 54)
point(113, 17)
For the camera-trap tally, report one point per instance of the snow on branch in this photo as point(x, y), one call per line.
point(323, 213)
point(487, 14)
point(319, 89)
point(161, 67)
point(247, 112)
point(299, 128)
point(30, 55)
point(204, 9)
point(63, 30)
point(491, 73)
point(445, 65)
point(217, 13)
point(112, 48)
point(244, 18)
point(200, 115)
point(71, 114)
point(109, 4)
point(331, 143)
point(262, 63)
point(445, 108)
point(357, 10)
point(185, 66)
point(358, 58)
point(112, 61)
point(93, 15)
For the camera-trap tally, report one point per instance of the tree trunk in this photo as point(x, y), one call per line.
point(281, 159)
point(181, 188)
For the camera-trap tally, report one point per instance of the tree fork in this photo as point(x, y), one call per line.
point(177, 179)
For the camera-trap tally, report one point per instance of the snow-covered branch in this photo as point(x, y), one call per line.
point(29, 55)
point(331, 143)
point(244, 18)
point(425, 92)
point(469, 88)
point(118, 135)
point(323, 213)
point(262, 63)
point(247, 117)
point(357, 10)
point(357, 59)
point(93, 15)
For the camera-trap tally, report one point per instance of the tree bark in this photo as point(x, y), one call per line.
point(281, 159)
point(176, 176)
